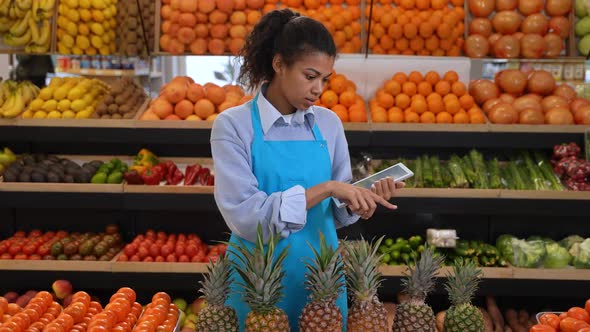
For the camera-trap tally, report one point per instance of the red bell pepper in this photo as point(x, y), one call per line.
point(204, 176)
point(174, 175)
point(133, 177)
point(192, 173)
point(211, 180)
point(152, 176)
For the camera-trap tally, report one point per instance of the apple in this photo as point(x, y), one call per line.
point(11, 297)
point(67, 300)
point(180, 303)
point(199, 304)
point(188, 329)
point(23, 300)
point(62, 288)
point(181, 318)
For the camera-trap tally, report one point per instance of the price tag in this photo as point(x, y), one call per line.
point(557, 71)
point(84, 71)
point(568, 72)
point(118, 73)
point(580, 72)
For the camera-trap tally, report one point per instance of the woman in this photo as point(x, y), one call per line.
point(278, 159)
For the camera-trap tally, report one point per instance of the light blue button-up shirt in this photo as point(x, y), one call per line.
point(242, 204)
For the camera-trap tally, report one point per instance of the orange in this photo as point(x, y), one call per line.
point(183, 109)
point(412, 117)
point(338, 83)
point(401, 78)
point(407, 4)
point(427, 117)
point(402, 100)
point(415, 77)
point(434, 95)
point(474, 110)
point(444, 117)
point(341, 111)
point(402, 44)
point(386, 42)
point(387, 19)
point(385, 100)
point(410, 30)
point(452, 106)
point(409, 88)
point(417, 44)
point(461, 117)
point(347, 98)
point(458, 89)
point(395, 31)
point(435, 105)
point(477, 118)
point(442, 88)
point(356, 115)
point(466, 101)
point(451, 76)
point(450, 97)
point(395, 115)
point(204, 108)
point(419, 106)
point(425, 29)
point(424, 88)
point(422, 4)
point(329, 98)
point(393, 87)
point(432, 77)
point(379, 116)
point(444, 30)
point(373, 103)
point(439, 4)
point(431, 43)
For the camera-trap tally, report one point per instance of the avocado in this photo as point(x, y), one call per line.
point(24, 177)
point(53, 178)
point(63, 257)
point(41, 170)
point(27, 169)
point(10, 177)
point(96, 163)
point(28, 160)
point(37, 177)
point(57, 248)
point(76, 257)
point(47, 163)
point(68, 179)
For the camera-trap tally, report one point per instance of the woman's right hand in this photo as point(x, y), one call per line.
point(360, 201)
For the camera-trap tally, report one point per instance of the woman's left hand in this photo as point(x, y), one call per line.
point(387, 188)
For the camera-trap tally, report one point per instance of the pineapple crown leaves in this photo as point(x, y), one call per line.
point(420, 280)
point(463, 282)
point(361, 265)
point(324, 276)
point(261, 271)
point(215, 284)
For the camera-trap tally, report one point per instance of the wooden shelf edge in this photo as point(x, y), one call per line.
point(158, 267)
point(55, 265)
point(545, 194)
point(448, 193)
point(552, 274)
point(538, 129)
point(62, 187)
point(400, 127)
point(143, 189)
point(77, 123)
point(163, 124)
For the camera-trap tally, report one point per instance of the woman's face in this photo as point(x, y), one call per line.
point(303, 82)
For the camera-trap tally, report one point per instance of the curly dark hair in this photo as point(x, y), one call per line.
point(281, 32)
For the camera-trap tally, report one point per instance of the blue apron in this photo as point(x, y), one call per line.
point(278, 166)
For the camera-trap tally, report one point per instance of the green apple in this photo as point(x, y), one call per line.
point(580, 8)
point(181, 318)
point(584, 45)
point(582, 27)
point(180, 303)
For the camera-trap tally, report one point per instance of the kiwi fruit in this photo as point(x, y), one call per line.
point(113, 108)
point(105, 116)
point(128, 116)
point(116, 116)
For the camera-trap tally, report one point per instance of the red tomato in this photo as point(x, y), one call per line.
point(6, 256)
point(123, 258)
point(44, 249)
point(160, 242)
point(14, 249)
point(161, 236)
point(160, 259)
point(35, 233)
point(570, 324)
point(29, 249)
point(579, 314)
point(35, 257)
point(154, 250)
point(192, 250)
point(19, 234)
point(3, 247)
point(166, 250)
point(61, 234)
point(171, 258)
point(179, 250)
point(21, 256)
point(148, 259)
point(143, 252)
point(130, 250)
point(135, 258)
point(184, 259)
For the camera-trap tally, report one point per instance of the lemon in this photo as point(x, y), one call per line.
point(71, 3)
point(97, 16)
point(62, 22)
point(88, 99)
point(85, 4)
point(56, 82)
point(68, 115)
point(73, 15)
point(39, 115)
point(82, 42)
point(72, 29)
point(106, 39)
point(64, 105)
point(36, 104)
point(61, 92)
point(91, 51)
point(104, 50)
point(97, 4)
point(54, 115)
point(83, 29)
point(61, 33)
point(85, 114)
point(78, 105)
point(28, 114)
point(97, 29)
point(76, 93)
point(85, 15)
point(113, 48)
point(50, 105)
point(62, 9)
point(112, 34)
point(46, 93)
point(107, 13)
point(77, 51)
point(67, 41)
point(96, 41)
point(113, 9)
point(107, 2)
point(113, 23)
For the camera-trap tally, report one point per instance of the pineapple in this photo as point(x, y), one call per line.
point(216, 317)
point(361, 263)
point(323, 280)
point(415, 315)
point(462, 316)
point(261, 284)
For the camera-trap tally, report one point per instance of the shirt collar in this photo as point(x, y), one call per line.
point(269, 115)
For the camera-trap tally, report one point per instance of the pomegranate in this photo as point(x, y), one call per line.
point(507, 47)
point(532, 46)
point(480, 26)
point(493, 38)
point(481, 8)
point(527, 102)
point(506, 5)
point(528, 7)
point(483, 91)
point(476, 46)
point(560, 25)
point(506, 22)
point(551, 102)
point(507, 98)
point(554, 45)
point(511, 81)
point(558, 7)
point(541, 82)
point(535, 23)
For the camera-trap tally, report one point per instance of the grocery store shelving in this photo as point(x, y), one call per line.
point(105, 72)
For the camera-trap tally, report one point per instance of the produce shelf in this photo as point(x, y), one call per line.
point(105, 72)
point(552, 274)
point(55, 265)
point(158, 267)
point(488, 272)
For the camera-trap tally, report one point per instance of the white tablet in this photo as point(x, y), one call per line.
point(397, 172)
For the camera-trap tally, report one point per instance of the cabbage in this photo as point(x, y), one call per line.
point(569, 241)
point(528, 253)
point(581, 253)
point(557, 256)
point(504, 245)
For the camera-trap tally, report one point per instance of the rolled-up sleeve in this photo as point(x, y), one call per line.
point(342, 172)
point(242, 204)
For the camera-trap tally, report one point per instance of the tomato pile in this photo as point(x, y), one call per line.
point(576, 319)
point(162, 247)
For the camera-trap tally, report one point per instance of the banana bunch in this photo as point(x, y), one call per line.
point(15, 97)
point(7, 157)
point(19, 19)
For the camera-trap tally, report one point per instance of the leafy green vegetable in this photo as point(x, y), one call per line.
point(581, 253)
point(569, 241)
point(528, 254)
point(557, 256)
